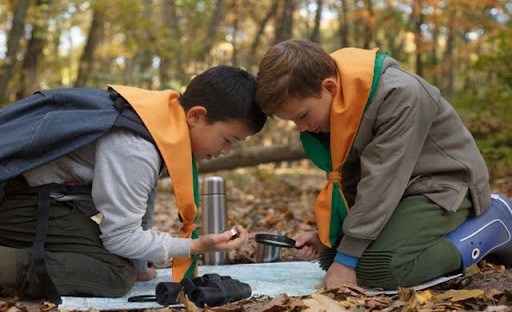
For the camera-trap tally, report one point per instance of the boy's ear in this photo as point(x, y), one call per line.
point(196, 113)
point(331, 85)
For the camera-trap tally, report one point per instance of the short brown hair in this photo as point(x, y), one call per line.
point(294, 68)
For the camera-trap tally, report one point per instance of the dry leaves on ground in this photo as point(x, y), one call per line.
point(280, 201)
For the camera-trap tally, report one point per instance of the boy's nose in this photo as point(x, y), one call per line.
point(225, 149)
point(301, 125)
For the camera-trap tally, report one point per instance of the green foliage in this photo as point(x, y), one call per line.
point(490, 89)
point(497, 146)
point(487, 102)
point(496, 149)
point(499, 61)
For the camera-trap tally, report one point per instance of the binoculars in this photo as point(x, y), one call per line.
point(209, 289)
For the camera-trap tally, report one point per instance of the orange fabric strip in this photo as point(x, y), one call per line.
point(165, 119)
point(355, 73)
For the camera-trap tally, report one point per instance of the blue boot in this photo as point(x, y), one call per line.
point(490, 232)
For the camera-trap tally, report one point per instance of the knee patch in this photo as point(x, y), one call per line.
point(375, 270)
point(326, 258)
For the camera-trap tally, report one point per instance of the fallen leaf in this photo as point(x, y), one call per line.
point(48, 306)
point(460, 294)
point(376, 304)
point(277, 304)
point(494, 292)
point(500, 308)
point(321, 303)
point(189, 305)
point(297, 305)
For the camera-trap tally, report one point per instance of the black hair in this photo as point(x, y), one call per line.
point(228, 94)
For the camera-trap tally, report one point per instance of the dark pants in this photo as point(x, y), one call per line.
point(75, 258)
point(412, 248)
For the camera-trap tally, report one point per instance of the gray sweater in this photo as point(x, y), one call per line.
point(123, 169)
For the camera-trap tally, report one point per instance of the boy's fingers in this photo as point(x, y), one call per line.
point(234, 232)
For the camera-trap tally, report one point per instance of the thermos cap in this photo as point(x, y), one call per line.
point(213, 185)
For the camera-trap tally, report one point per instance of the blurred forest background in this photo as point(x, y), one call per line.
point(462, 46)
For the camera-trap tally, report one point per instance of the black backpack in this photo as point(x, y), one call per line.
point(50, 124)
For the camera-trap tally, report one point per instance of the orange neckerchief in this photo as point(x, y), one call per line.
point(355, 74)
point(165, 119)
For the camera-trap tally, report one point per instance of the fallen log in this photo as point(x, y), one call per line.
point(252, 156)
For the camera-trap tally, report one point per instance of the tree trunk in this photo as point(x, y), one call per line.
point(253, 156)
point(29, 81)
point(93, 39)
point(170, 55)
point(13, 43)
point(418, 17)
point(284, 27)
point(434, 60)
point(449, 72)
point(261, 28)
point(144, 57)
point(212, 29)
point(343, 30)
point(235, 7)
point(315, 35)
point(368, 26)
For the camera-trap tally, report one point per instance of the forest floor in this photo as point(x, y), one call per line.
point(280, 201)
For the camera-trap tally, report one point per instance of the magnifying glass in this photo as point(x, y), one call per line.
point(275, 240)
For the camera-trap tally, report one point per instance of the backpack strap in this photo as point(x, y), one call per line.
point(43, 207)
point(128, 118)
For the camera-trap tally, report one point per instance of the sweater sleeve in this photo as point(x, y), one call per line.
point(125, 174)
point(404, 117)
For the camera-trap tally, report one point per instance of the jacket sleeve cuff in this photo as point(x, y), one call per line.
point(179, 247)
point(353, 246)
point(140, 265)
point(347, 260)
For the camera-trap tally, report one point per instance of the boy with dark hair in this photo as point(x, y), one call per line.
point(408, 197)
point(119, 171)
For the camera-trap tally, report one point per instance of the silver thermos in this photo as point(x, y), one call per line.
point(214, 217)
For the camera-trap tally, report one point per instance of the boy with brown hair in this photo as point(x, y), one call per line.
point(49, 246)
point(408, 197)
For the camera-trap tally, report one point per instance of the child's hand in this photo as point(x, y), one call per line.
point(308, 245)
point(225, 241)
point(146, 276)
point(343, 278)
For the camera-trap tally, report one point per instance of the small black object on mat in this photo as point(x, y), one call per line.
point(275, 240)
point(209, 289)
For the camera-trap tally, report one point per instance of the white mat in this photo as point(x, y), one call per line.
point(270, 279)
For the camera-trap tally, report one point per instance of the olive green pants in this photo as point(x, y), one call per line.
point(412, 248)
point(75, 258)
